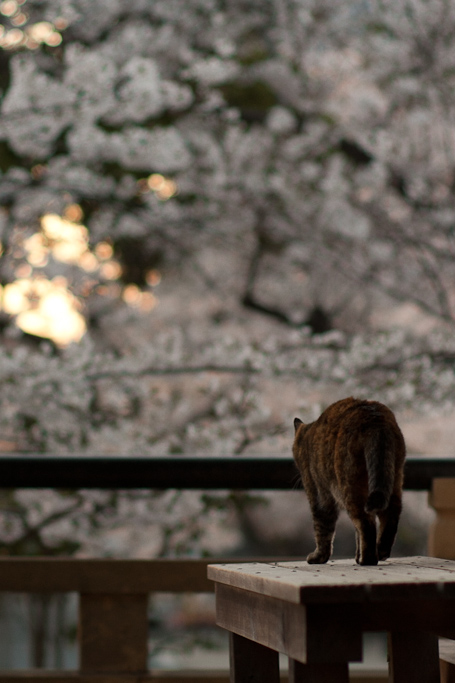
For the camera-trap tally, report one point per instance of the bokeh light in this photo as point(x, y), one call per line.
point(45, 308)
point(29, 36)
point(48, 308)
point(163, 188)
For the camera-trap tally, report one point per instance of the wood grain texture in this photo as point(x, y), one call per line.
point(277, 625)
point(342, 580)
point(316, 615)
point(306, 634)
point(87, 575)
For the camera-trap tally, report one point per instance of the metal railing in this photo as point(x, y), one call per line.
point(183, 472)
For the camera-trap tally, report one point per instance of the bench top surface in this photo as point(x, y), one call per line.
point(407, 578)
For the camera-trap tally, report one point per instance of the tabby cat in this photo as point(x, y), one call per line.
point(352, 457)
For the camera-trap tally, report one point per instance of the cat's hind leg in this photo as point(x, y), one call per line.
point(388, 524)
point(325, 514)
point(357, 546)
point(365, 528)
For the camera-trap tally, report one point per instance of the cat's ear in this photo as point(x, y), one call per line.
point(297, 423)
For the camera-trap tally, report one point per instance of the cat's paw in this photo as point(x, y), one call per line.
point(317, 558)
point(368, 560)
point(383, 554)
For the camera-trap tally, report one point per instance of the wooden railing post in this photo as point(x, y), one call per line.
point(113, 633)
point(441, 540)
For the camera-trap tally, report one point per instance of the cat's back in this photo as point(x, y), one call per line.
point(347, 422)
point(314, 443)
point(356, 414)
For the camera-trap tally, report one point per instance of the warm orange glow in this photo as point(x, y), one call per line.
point(61, 23)
point(155, 181)
point(8, 8)
point(111, 270)
point(42, 32)
point(20, 19)
point(88, 262)
point(134, 297)
point(164, 188)
point(74, 213)
point(45, 308)
point(112, 289)
point(24, 270)
point(31, 44)
point(58, 228)
point(33, 35)
point(67, 241)
point(131, 295)
point(37, 252)
point(14, 299)
point(104, 251)
point(53, 39)
point(148, 301)
point(153, 278)
point(87, 286)
point(11, 39)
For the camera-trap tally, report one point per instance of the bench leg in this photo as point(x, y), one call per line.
point(413, 656)
point(447, 660)
point(318, 673)
point(251, 662)
point(447, 672)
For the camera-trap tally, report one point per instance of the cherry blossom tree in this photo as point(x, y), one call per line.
point(215, 216)
point(212, 200)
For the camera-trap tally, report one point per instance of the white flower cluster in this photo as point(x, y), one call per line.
point(310, 152)
point(184, 398)
point(341, 149)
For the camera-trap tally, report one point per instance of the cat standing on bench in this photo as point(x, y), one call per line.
point(352, 457)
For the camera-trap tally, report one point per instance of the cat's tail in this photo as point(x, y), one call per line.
point(376, 501)
point(380, 462)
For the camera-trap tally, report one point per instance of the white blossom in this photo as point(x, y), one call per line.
point(309, 149)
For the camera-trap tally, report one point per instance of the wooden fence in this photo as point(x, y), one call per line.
point(113, 594)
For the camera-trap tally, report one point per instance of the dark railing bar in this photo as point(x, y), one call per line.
point(182, 472)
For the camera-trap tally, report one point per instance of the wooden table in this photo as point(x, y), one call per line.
point(316, 614)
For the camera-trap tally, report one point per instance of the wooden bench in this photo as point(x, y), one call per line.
point(316, 616)
point(447, 660)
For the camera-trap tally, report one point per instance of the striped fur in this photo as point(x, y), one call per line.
point(352, 457)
